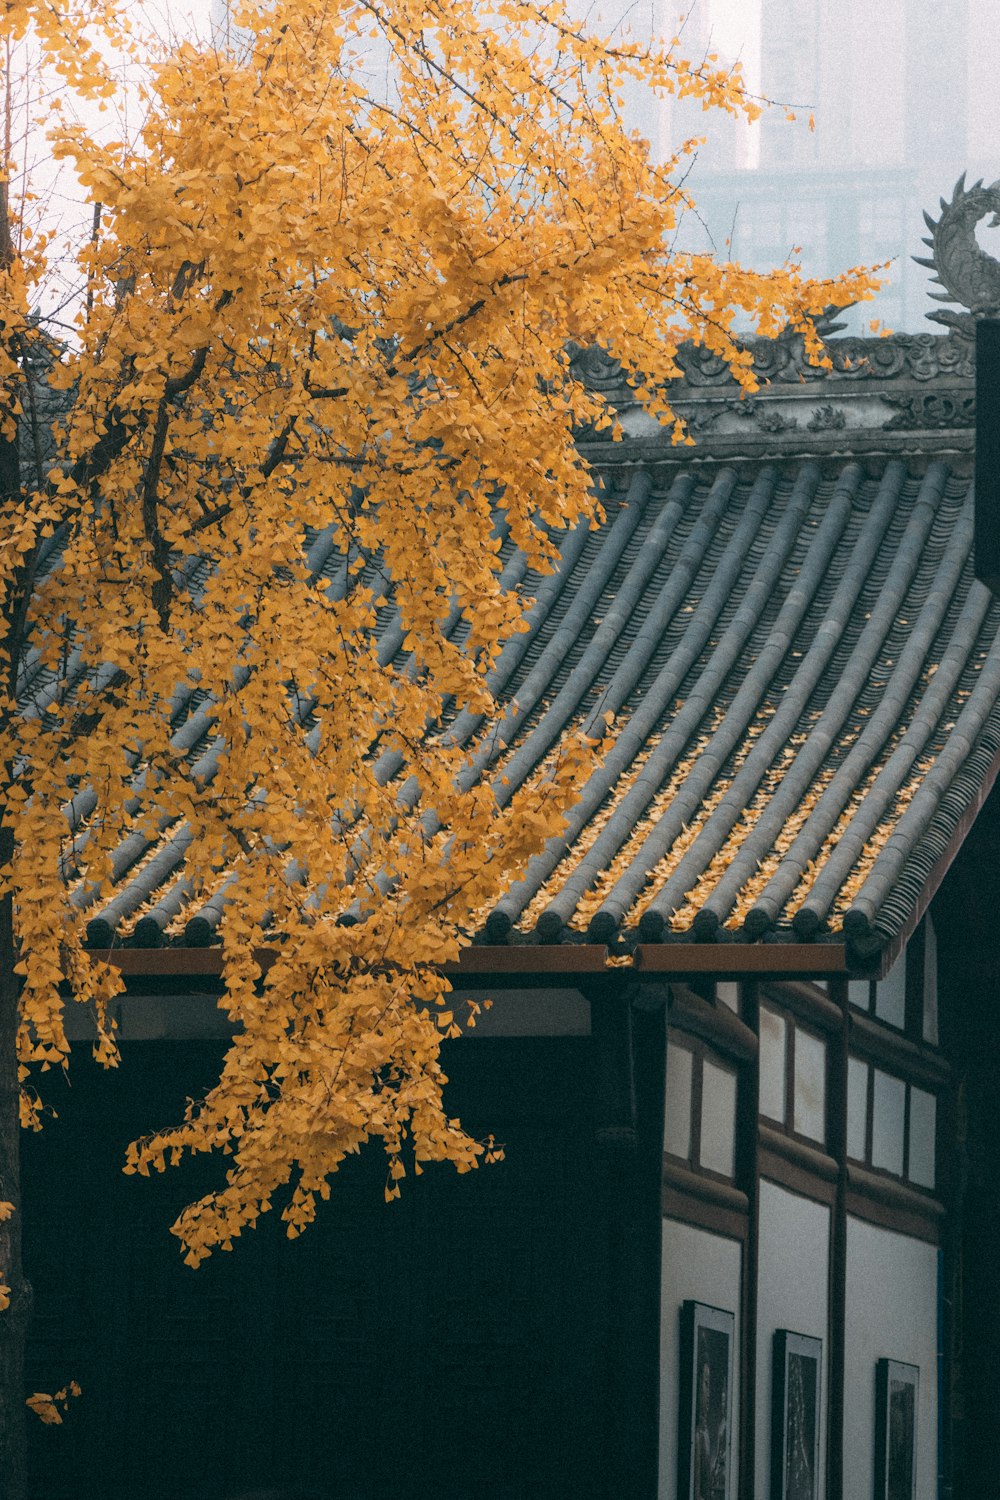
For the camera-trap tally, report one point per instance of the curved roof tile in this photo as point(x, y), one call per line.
point(793, 719)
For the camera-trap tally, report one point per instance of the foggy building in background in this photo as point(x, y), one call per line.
point(903, 98)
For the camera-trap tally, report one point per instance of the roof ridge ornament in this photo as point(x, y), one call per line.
point(961, 266)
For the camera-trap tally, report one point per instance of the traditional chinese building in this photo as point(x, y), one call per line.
point(744, 1051)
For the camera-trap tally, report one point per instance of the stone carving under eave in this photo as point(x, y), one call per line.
point(925, 410)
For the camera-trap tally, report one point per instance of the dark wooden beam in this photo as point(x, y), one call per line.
point(987, 514)
point(715, 1024)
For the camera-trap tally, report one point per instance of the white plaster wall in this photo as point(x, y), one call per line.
point(706, 1268)
point(792, 1292)
point(891, 1314)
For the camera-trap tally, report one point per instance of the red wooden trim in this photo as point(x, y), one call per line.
point(725, 960)
point(733, 960)
point(151, 962)
point(549, 961)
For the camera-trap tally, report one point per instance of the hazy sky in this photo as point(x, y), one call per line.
point(736, 31)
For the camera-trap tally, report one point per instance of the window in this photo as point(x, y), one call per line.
point(906, 998)
point(717, 1149)
point(773, 1061)
point(891, 1124)
point(809, 1104)
point(922, 1132)
point(888, 1122)
point(727, 993)
point(792, 1075)
point(700, 1110)
point(890, 995)
point(677, 1115)
point(857, 1108)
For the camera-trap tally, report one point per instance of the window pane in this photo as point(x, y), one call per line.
point(677, 1113)
point(810, 1085)
point(923, 1120)
point(772, 1064)
point(727, 993)
point(887, 1123)
point(857, 1107)
point(890, 994)
point(930, 984)
point(718, 1118)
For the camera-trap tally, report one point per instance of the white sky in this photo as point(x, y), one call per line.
point(736, 32)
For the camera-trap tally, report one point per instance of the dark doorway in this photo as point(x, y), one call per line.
point(444, 1346)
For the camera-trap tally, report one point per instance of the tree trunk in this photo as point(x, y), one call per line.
point(14, 1321)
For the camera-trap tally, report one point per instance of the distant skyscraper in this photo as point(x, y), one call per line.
point(903, 95)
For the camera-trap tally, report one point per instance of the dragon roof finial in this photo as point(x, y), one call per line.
point(969, 276)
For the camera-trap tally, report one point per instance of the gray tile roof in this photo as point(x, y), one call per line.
point(805, 684)
point(807, 681)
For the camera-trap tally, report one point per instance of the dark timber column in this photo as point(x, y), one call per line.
point(748, 1177)
point(629, 1032)
point(987, 513)
point(838, 1249)
point(969, 997)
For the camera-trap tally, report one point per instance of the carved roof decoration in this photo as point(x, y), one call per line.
point(969, 275)
point(907, 393)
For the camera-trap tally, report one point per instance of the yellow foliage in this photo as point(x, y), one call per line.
point(323, 311)
point(50, 1409)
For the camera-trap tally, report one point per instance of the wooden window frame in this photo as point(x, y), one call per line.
point(914, 960)
point(802, 1010)
point(909, 1083)
point(700, 1050)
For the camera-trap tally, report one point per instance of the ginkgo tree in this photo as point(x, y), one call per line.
point(324, 314)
